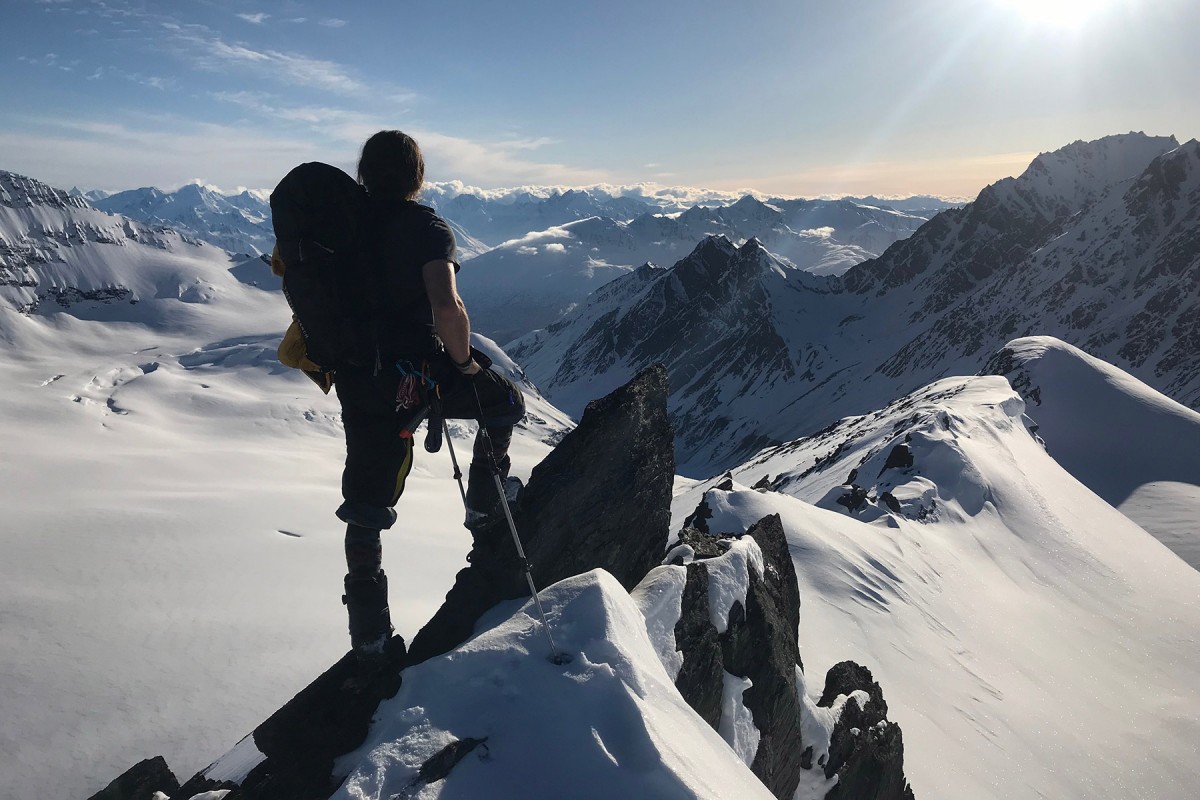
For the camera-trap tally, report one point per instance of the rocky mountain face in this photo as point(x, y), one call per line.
point(601, 499)
point(759, 352)
point(1068, 250)
point(239, 223)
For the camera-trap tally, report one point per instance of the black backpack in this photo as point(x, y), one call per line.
point(321, 215)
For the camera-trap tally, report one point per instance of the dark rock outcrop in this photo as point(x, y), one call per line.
point(764, 649)
point(600, 499)
point(900, 457)
point(140, 782)
point(866, 751)
point(302, 739)
point(853, 500)
point(699, 679)
point(759, 643)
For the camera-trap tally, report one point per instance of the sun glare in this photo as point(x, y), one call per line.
point(1059, 13)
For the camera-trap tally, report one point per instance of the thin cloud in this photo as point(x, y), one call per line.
point(207, 49)
point(494, 163)
point(953, 176)
point(213, 52)
point(154, 82)
point(333, 22)
point(111, 156)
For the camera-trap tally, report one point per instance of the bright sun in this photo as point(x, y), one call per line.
point(1060, 13)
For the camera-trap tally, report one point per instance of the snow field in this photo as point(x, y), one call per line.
point(1063, 640)
point(172, 565)
point(608, 724)
point(1132, 445)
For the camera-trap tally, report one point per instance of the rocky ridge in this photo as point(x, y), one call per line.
point(294, 753)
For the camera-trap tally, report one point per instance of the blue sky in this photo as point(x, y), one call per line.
point(785, 96)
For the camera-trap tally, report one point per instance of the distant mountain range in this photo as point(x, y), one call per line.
point(1097, 244)
point(239, 223)
point(528, 282)
point(547, 249)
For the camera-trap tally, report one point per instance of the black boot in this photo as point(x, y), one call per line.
point(370, 620)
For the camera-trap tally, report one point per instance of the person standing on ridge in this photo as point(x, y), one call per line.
point(423, 336)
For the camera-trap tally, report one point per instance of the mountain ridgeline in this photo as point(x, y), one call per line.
point(1097, 244)
point(672, 687)
point(528, 282)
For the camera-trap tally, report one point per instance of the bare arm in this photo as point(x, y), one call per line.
point(450, 320)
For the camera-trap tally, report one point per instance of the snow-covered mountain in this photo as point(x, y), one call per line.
point(759, 351)
point(1032, 639)
point(922, 205)
point(527, 283)
point(240, 223)
point(497, 221)
point(57, 252)
point(1134, 447)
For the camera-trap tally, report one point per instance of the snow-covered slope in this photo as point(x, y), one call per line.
point(168, 492)
point(528, 282)
point(56, 253)
point(609, 724)
point(1033, 641)
point(1131, 445)
point(785, 351)
point(239, 223)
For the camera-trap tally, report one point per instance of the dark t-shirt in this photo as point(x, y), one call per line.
point(410, 235)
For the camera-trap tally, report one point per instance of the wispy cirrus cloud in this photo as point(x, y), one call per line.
point(255, 19)
point(50, 60)
point(496, 163)
point(210, 51)
point(112, 156)
point(333, 22)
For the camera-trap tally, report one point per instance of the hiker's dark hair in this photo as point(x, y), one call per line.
point(391, 163)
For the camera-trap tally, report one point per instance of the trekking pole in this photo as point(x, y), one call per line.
point(556, 657)
point(454, 461)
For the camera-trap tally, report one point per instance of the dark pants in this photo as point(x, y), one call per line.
point(379, 449)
